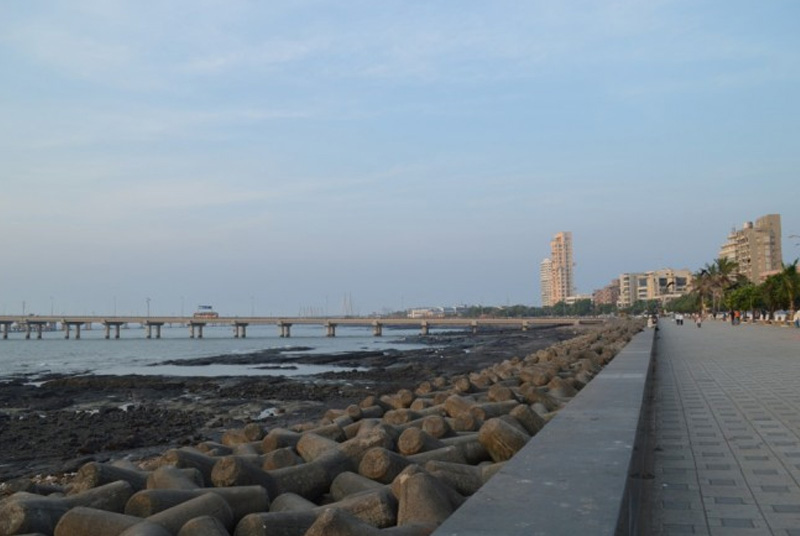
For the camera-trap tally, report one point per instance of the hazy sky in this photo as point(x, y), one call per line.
point(278, 156)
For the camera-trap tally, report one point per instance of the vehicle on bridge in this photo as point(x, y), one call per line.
point(205, 311)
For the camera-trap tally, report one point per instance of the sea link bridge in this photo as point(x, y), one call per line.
point(37, 324)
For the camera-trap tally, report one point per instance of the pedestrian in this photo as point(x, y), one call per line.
point(698, 318)
point(796, 318)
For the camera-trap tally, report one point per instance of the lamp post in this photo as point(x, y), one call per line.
point(148, 306)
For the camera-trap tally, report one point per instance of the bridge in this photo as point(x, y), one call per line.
point(153, 324)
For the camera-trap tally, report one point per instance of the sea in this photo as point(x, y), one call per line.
point(133, 353)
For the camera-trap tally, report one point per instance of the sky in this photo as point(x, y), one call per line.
point(321, 157)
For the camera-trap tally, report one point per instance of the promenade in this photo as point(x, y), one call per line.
point(727, 430)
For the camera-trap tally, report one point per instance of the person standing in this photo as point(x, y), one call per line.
point(698, 319)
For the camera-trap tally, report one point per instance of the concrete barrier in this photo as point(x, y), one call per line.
point(573, 477)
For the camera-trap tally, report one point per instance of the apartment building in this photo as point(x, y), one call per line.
point(608, 295)
point(662, 285)
point(545, 278)
point(756, 248)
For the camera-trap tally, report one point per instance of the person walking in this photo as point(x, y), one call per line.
point(796, 318)
point(698, 319)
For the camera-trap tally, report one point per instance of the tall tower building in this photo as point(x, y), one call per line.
point(756, 249)
point(545, 279)
point(562, 282)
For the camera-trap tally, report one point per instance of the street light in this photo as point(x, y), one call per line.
point(148, 306)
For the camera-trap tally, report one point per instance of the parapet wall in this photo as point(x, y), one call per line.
point(572, 477)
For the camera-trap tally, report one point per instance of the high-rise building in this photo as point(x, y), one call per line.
point(545, 279)
point(562, 283)
point(756, 249)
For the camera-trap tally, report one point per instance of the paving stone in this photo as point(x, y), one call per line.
point(786, 508)
point(737, 522)
point(728, 500)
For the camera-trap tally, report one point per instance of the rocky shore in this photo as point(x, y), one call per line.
point(68, 420)
point(411, 433)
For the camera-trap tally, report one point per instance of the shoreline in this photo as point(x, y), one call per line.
point(69, 420)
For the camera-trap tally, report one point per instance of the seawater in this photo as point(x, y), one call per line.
point(135, 354)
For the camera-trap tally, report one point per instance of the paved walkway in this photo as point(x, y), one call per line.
point(727, 417)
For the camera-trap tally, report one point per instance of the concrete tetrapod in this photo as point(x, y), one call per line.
point(377, 508)
point(93, 474)
point(27, 512)
point(334, 522)
point(243, 500)
point(422, 499)
point(82, 521)
point(204, 526)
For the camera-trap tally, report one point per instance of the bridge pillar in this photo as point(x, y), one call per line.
point(38, 331)
point(330, 330)
point(77, 331)
point(5, 330)
point(240, 330)
point(199, 332)
point(149, 330)
point(27, 331)
point(286, 329)
point(377, 329)
point(66, 330)
point(108, 326)
point(424, 329)
point(158, 331)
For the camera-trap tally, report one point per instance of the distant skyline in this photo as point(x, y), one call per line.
point(287, 157)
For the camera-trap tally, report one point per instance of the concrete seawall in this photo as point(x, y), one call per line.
point(573, 477)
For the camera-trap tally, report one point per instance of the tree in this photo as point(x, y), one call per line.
point(644, 307)
point(771, 294)
point(688, 303)
point(746, 298)
point(703, 285)
point(789, 283)
point(714, 281)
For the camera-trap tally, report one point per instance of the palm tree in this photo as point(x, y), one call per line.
point(789, 283)
point(702, 285)
point(714, 281)
point(725, 278)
